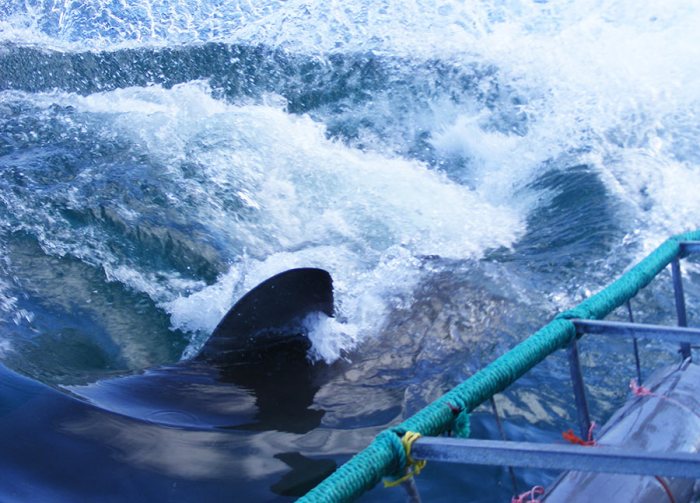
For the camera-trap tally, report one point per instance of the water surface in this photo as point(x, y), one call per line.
point(464, 172)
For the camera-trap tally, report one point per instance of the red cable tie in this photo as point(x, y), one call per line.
point(639, 390)
point(573, 438)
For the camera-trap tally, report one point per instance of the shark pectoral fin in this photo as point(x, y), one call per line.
point(265, 315)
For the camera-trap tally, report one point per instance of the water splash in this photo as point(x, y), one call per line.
point(601, 85)
point(263, 189)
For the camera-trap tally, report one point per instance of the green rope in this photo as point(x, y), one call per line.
point(627, 286)
point(462, 427)
point(386, 456)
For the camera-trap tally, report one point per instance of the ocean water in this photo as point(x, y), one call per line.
point(464, 170)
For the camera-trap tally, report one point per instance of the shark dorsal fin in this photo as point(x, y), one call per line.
point(270, 313)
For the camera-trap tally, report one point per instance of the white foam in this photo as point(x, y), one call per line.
point(277, 193)
point(407, 27)
point(330, 339)
point(10, 312)
point(202, 310)
point(612, 84)
point(5, 347)
point(160, 286)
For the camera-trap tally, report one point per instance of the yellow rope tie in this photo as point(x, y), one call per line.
point(413, 467)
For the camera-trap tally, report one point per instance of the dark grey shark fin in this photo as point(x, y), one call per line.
point(270, 314)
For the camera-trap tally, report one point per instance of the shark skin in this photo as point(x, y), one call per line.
point(252, 373)
point(181, 430)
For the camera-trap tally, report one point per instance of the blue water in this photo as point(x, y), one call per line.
point(463, 170)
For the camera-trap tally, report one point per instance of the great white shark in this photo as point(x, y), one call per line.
point(238, 407)
point(254, 371)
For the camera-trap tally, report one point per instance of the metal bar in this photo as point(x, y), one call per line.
point(635, 344)
point(688, 247)
point(680, 304)
point(502, 432)
point(412, 494)
point(584, 417)
point(603, 459)
point(643, 331)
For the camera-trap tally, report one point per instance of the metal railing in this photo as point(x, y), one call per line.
point(572, 457)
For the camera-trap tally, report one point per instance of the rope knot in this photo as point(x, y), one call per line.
point(413, 466)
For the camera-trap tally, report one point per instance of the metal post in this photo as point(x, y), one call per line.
point(412, 494)
point(636, 345)
point(502, 432)
point(584, 418)
point(680, 304)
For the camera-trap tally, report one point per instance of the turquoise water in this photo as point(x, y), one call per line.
point(464, 172)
